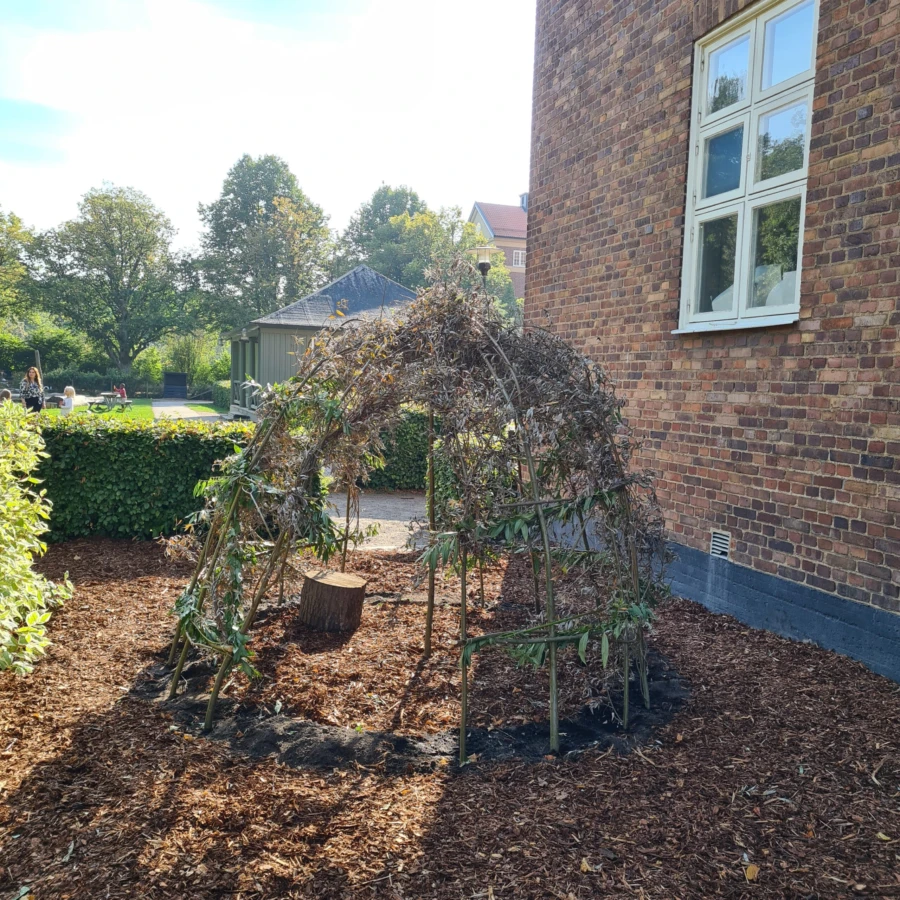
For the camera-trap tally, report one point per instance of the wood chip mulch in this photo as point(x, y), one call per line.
point(780, 777)
point(375, 679)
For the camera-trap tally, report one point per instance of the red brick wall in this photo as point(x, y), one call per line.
point(787, 437)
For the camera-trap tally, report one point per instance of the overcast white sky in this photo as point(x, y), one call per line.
point(165, 95)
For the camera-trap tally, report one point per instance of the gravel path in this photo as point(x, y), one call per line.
point(390, 512)
point(175, 409)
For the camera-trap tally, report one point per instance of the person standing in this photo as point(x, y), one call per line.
point(31, 391)
point(68, 404)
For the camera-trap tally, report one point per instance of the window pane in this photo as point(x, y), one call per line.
point(723, 155)
point(718, 239)
point(728, 74)
point(781, 140)
point(787, 50)
point(776, 236)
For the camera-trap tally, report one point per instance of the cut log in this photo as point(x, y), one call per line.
point(332, 601)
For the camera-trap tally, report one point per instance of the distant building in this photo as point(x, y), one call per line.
point(506, 227)
point(265, 351)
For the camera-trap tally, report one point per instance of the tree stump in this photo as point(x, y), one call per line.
point(332, 601)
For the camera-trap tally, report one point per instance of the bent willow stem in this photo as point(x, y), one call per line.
point(432, 527)
point(464, 683)
point(280, 548)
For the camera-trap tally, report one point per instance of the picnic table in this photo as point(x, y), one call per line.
point(108, 401)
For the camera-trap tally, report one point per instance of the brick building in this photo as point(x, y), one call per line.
point(506, 227)
point(714, 216)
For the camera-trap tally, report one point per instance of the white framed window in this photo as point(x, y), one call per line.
point(749, 152)
point(518, 258)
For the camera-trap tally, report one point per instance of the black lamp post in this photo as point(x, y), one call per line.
point(483, 261)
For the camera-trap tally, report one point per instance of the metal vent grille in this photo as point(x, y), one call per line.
point(720, 544)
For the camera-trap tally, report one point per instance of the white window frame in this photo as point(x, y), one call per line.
point(782, 101)
point(518, 258)
point(714, 131)
point(762, 199)
point(751, 194)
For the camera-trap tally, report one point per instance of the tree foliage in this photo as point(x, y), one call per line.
point(410, 245)
point(26, 598)
point(14, 239)
point(111, 273)
point(265, 243)
point(370, 226)
point(198, 354)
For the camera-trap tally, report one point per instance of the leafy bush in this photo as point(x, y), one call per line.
point(221, 395)
point(405, 456)
point(59, 349)
point(446, 484)
point(14, 353)
point(220, 368)
point(200, 356)
point(148, 366)
point(129, 478)
point(26, 598)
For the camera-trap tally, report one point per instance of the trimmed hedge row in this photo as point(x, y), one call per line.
point(406, 456)
point(221, 395)
point(128, 477)
point(135, 478)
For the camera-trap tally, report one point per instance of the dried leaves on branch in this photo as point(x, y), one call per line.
point(537, 462)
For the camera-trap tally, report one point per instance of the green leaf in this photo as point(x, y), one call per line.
point(582, 646)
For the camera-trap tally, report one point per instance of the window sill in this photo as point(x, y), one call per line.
point(739, 324)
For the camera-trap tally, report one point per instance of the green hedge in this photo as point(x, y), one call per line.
point(406, 456)
point(221, 395)
point(128, 477)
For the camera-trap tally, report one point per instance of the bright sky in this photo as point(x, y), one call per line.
point(165, 95)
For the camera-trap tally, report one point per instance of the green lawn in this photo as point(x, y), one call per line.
point(140, 409)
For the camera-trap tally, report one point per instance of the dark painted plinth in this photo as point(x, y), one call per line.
point(865, 633)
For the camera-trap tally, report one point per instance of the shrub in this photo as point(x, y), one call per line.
point(26, 598)
point(129, 478)
point(221, 395)
point(405, 456)
point(14, 354)
point(148, 366)
point(199, 355)
point(59, 349)
point(220, 368)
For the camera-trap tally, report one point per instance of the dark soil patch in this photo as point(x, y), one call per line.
point(299, 743)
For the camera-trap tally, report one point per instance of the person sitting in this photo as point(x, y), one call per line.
point(5, 394)
point(120, 390)
point(31, 390)
point(68, 403)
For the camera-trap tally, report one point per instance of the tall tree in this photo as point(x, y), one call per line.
point(111, 273)
point(411, 244)
point(14, 240)
point(371, 225)
point(266, 243)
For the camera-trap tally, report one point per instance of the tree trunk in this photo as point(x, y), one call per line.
point(332, 601)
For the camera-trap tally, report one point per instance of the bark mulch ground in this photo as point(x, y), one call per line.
point(778, 777)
